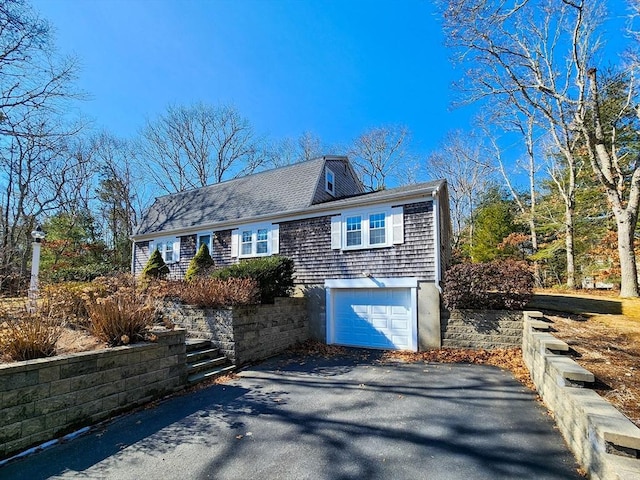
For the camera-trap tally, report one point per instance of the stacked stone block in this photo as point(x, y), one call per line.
point(604, 441)
point(245, 334)
point(476, 329)
point(46, 398)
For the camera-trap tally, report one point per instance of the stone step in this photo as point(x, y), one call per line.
point(209, 374)
point(197, 344)
point(195, 355)
point(208, 364)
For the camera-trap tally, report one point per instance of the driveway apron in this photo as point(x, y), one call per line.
point(347, 417)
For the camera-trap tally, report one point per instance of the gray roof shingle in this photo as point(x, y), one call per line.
point(279, 190)
point(273, 192)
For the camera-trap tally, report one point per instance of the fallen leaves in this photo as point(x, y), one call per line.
point(505, 358)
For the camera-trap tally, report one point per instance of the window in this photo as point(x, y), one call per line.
point(247, 243)
point(255, 241)
point(262, 241)
point(382, 227)
point(330, 181)
point(169, 248)
point(354, 231)
point(203, 239)
point(377, 230)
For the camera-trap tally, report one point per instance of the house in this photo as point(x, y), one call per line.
point(369, 263)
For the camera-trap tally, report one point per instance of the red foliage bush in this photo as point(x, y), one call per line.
point(497, 285)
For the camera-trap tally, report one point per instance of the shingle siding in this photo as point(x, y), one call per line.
point(346, 184)
point(308, 243)
point(221, 249)
point(176, 270)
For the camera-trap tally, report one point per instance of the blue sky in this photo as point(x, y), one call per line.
point(334, 68)
point(331, 67)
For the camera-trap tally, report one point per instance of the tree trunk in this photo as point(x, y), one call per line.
point(568, 240)
point(628, 268)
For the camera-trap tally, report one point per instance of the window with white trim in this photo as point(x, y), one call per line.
point(329, 181)
point(255, 241)
point(169, 248)
point(374, 228)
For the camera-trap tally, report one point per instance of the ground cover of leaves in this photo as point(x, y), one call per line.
point(505, 358)
point(609, 347)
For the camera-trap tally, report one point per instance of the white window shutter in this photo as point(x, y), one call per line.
point(397, 224)
point(234, 243)
point(275, 239)
point(336, 232)
point(176, 250)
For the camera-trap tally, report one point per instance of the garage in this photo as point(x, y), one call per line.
point(372, 313)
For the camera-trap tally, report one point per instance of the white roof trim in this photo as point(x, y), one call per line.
point(310, 212)
point(372, 282)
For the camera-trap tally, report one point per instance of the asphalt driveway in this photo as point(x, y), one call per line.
point(348, 417)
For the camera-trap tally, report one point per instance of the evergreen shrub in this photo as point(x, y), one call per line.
point(155, 268)
point(200, 264)
point(274, 275)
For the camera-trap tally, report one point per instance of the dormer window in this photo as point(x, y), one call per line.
point(330, 181)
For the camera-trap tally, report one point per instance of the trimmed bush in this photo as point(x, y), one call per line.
point(200, 264)
point(497, 285)
point(27, 336)
point(274, 275)
point(155, 268)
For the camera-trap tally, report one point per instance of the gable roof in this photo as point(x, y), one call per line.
point(279, 190)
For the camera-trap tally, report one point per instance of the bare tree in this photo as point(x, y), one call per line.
point(117, 194)
point(524, 125)
point(39, 165)
point(193, 146)
point(287, 151)
point(42, 172)
point(32, 78)
point(379, 155)
point(539, 54)
point(460, 160)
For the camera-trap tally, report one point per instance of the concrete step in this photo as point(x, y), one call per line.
point(208, 364)
point(209, 374)
point(203, 354)
point(197, 344)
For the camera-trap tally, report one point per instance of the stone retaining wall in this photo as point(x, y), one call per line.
point(481, 329)
point(46, 398)
point(248, 333)
point(604, 441)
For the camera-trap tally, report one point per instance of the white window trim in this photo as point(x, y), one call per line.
point(394, 227)
point(328, 171)
point(364, 215)
point(153, 245)
point(273, 243)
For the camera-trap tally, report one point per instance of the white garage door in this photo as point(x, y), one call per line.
point(373, 317)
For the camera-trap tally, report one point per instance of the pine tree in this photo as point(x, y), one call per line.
point(155, 267)
point(200, 263)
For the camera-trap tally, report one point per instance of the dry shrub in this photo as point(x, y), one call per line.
point(27, 336)
point(209, 292)
point(500, 284)
point(120, 318)
point(65, 302)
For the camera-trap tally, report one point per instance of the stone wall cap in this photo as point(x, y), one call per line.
point(569, 369)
